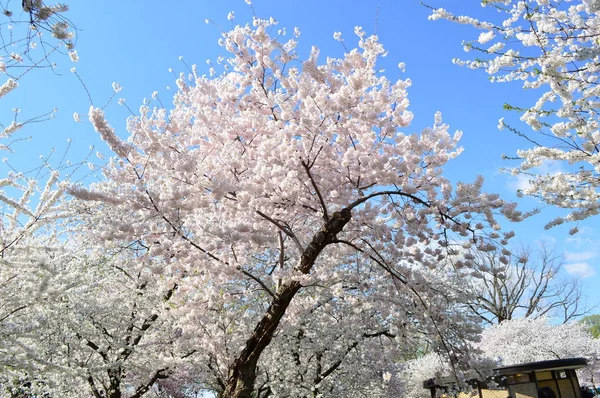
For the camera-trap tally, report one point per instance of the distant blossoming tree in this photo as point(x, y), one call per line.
point(435, 366)
point(551, 47)
point(97, 328)
point(31, 248)
point(512, 342)
point(525, 339)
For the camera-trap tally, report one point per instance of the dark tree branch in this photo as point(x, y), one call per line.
point(316, 188)
point(282, 228)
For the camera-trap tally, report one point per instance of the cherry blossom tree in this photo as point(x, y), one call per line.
point(27, 279)
point(511, 342)
point(32, 249)
point(95, 321)
point(360, 352)
point(287, 199)
point(30, 202)
point(550, 47)
point(435, 366)
point(526, 339)
point(30, 252)
point(33, 34)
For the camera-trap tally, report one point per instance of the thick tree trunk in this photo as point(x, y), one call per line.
point(242, 373)
point(114, 390)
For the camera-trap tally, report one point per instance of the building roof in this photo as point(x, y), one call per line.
point(540, 366)
point(555, 364)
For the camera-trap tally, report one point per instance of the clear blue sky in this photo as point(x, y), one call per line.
point(135, 42)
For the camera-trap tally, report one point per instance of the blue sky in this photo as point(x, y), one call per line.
point(135, 42)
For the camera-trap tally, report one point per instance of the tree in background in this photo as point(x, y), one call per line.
point(415, 372)
point(526, 340)
point(528, 285)
point(109, 332)
point(551, 47)
point(592, 323)
point(33, 262)
point(37, 33)
point(277, 190)
point(512, 342)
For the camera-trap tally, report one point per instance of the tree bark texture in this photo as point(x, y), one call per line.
point(242, 373)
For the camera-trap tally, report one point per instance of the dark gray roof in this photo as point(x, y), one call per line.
point(540, 366)
point(555, 364)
